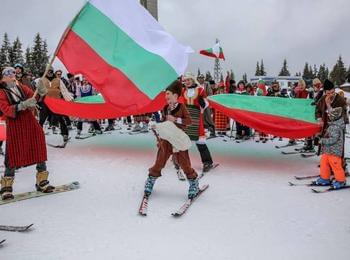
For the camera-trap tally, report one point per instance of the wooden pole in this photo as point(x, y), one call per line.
point(63, 37)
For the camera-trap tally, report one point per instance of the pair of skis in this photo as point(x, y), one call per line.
point(178, 213)
point(312, 184)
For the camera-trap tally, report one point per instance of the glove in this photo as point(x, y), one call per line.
point(29, 103)
point(42, 90)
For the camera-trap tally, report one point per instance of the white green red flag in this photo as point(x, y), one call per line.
point(215, 52)
point(124, 52)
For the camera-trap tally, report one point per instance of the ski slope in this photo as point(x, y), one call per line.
point(248, 212)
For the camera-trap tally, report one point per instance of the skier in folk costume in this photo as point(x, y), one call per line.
point(179, 115)
point(194, 97)
point(25, 144)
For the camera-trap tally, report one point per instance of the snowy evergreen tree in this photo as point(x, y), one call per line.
point(5, 51)
point(257, 71)
point(199, 72)
point(348, 75)
point(322, 73)
point(28, 60)
point(232, 75)
point(245, 78)
point(16, 55)
point(338, 74)
point(314, 71)
point(284, 71)
point(262, 68)
point(39, 56)
point(208, 76)
point(307, 72)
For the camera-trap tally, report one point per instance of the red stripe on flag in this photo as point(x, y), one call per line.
point(270, 124)
point(116, 88)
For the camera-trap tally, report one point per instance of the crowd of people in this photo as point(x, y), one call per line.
point(21, 103)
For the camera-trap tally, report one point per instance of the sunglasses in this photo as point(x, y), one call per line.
point(58, 74)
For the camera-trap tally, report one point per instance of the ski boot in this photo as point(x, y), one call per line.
point(144, 128)
point(109, 128)
point(137, 128)
point(193, 188)
point(98, 132)
point(292, 142)
point(322, 182)
point(338, 184)
point(42, 184)
point(78, 134)
point(65, 138)
point(149, 185)
point(207, 167)
point(6, 188)
point(54, 131)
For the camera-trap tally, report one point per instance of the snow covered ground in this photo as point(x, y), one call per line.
point(249, 211)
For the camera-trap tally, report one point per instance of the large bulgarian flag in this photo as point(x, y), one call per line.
point(215, 52)
point(283, 117)
point(124, 52)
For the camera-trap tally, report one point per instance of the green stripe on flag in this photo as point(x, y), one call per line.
point(298, 109)
point(96, 99)
point(148, 71)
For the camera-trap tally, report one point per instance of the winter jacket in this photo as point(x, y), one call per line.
point(333, 140)
point(321, 108)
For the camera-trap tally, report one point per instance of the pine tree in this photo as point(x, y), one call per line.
point(245, 78)
point(314, 72)
point(28, 60)
point(16, 55)
point(262, 68)
point(199, 72)
point(307, 72)
point(5, 51)
point(39, 56)
point(348, 75)
point(338, 74)
point(322, 73)
point(232, 75)
point(221, 77)
point(208, 76)
point(284, 71)
point(257, 71)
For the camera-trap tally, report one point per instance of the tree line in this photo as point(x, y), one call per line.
point(339, 74)
point(34, 58)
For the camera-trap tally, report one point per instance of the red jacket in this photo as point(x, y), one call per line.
point(25, 144)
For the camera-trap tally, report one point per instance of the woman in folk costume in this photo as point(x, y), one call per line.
point(194, 97)
point(25, 144)
point(221, 120)
point(178, 114)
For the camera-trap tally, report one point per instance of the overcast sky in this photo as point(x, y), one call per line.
point(300, 30)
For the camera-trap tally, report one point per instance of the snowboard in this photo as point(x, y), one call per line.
point(35, 194)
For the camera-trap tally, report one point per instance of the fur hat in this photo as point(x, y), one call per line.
point(189, 75)
point(335, 113)
point(316, 81)
point(175, 88)
point(328, 85)
point(8, 71)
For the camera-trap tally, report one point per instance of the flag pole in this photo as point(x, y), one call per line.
point(63, 37)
